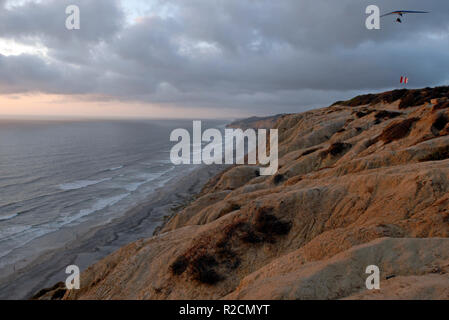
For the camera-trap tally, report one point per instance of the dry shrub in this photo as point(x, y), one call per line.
point(421, 96)
point(307, 152)
point(57, 292)
point(206, 261)
point(179, 266)
point(200, 265)
point(440, 106)
point(363, 113)
point(202, 269)
point(372, 99)
point(446, 218)
point(270, 226)
point(250, 236)
point(336, 149)
point(338, 103)
point(413, 98)
point(439, 154)
point(396, 131)
point(229, 231)
point(392, 96)
point(360, 100)
point(409, 98)
point(439, 123)
point(278, 178)
point(229, 258)
point(384, 114)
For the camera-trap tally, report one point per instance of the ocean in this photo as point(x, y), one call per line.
point(55, 175)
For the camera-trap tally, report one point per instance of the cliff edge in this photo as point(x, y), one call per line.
point(363, 182)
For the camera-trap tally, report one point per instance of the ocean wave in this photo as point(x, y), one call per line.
point(13, 230)
point(24, 206)
point(23, 234)
point(99, 205)
point(147, 177)
point(22, 183)
point(12, 177)
point(134, 186)
point(81, 184)
point(8, 217)
point(115, 168)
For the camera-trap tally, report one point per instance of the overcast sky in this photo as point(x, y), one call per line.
point(215, 57)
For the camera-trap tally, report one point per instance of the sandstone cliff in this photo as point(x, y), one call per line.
point(363, 182)
point(256, 122)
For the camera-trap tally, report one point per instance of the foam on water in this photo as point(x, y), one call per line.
point(81, 184)
point(134, 186)
point(20, 235)
point(99, 205)
point(116, 168)
point(8, 217)
point(12, 230)
point(148, 177)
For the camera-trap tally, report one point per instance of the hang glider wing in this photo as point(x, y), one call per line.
point(401, 12)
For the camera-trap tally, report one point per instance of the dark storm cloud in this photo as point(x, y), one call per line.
point(262, 56)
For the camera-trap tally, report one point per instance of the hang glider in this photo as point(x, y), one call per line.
point(400, 13)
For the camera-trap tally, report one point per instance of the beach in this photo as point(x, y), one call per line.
point(91, 245)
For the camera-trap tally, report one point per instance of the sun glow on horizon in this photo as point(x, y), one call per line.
point(51, 106)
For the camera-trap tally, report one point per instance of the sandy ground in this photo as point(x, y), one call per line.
point(88, 245)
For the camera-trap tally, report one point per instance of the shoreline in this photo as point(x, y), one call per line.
point(139, 222)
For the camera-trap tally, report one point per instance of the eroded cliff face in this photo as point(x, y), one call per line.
point(363, 182)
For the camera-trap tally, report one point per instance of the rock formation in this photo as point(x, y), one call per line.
point(363, 182)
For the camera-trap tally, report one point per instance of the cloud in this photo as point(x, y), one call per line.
point(259, 56)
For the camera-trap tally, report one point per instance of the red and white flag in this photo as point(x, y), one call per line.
point(404, 80)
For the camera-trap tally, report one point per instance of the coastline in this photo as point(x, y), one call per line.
point(357, 186)
point(332, 209)
point(93, 244)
